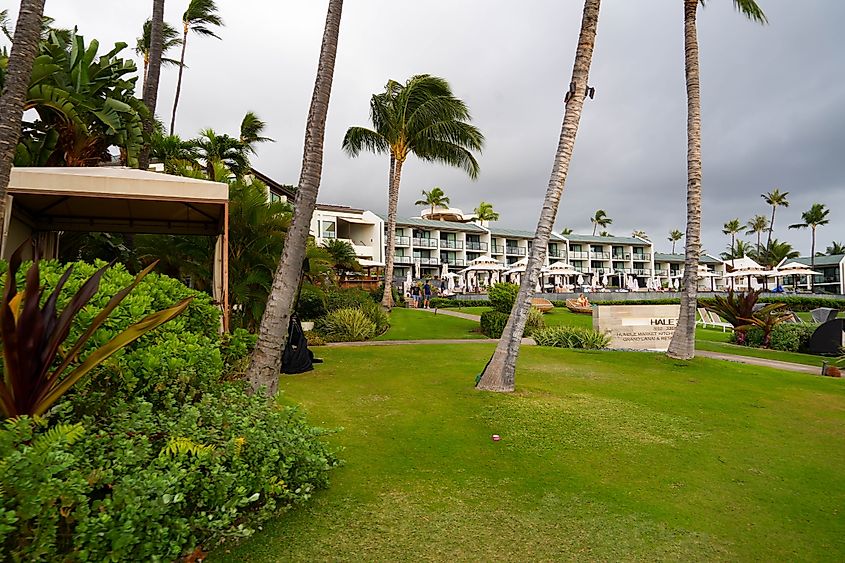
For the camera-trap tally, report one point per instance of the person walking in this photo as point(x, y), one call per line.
point(426, 294)
point(415, 296)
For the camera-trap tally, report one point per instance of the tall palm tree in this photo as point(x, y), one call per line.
point(814, 217)
point(758, 225)
point(600, 219)
point(16, 85)
point(200, 18)
point(266, 361)
point(420, 117)
point(170, 40)
point(435, 198)
point(499, 373)
point(152, 68)
point(777, 252)
point(213, 148)
point(835, 248)
point(732, 228)
point(738, 249)
point(484, 212)
point(682, 345)
point(174, 152)
point(776, 199)
point(252, 131)
point(674, 236)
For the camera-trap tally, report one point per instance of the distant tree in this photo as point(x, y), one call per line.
point(435, 198)
point(731, 228)
point(343, 257)
point(605, 234)
point(776, 199)
point(566, 231)
point(813, 218)
point(152, 72)
point(171, 40)
point(777, 252)
point(174, 152)
point(835, 248)
point(600, 219)
point(213, 148)
point(201, 18)
point(640, 234)
point(757, 225)
point(252, 131)
point(738, 249)
point(674, 236)
point(484, 212)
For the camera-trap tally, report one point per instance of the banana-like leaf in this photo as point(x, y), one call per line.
point(102, 353)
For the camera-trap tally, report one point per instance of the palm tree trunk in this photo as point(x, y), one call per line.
point(151, 77)
point(771, 227)
point(392, 205)
point(499, 373)
point(18, 74)
point(682, 345)
point(595, 225)
point(266, 361)
point(813, 256)
point(179, 80)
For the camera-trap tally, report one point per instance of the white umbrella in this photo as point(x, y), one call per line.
point(604, 279)
point(630, 283)
point(408, 281)
point(580, 279)
point(417, 269)
point(636, 284)
point(450, 283)
point(560, 269)
point(444, 270)
point(675, 283)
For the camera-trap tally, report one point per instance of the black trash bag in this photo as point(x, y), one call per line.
point(296, 357)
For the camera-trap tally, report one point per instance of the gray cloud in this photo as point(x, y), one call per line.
point(772, 111)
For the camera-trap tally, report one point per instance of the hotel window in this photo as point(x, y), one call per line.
point(329, 229)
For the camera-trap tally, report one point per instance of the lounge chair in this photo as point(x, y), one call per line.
point(716, 320)
point(703, 318)
point(542, 305)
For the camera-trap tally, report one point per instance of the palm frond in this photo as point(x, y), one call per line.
point(359, 139)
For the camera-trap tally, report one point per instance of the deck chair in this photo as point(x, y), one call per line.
point(716, 320)
point(703, 318)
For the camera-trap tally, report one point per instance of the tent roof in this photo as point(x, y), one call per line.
point(117, 199)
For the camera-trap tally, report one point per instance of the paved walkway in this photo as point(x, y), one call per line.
point(451, 313)
point(763, 362)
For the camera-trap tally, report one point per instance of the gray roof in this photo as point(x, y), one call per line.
point(666, 257)
point(832, 260)
point(518, 233)
point(606, 240)
point(431, 224)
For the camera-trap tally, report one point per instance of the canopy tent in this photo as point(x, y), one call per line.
point(41, 202)
point(745, 267)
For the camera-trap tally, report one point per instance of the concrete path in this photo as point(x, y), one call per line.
point(763, 362)
point(451, 313)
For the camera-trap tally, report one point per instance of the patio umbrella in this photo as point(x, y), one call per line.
point(636, 284)
point(417, 269)
point(408, 281)
point(580, 279)
point(444, 270)
point(675, 283)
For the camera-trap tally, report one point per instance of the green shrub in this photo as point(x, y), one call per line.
point(785, 336)
point(346, 325)
point(534, 322)
point(312, 303)
point(502, 296)
point(378, 293)
point(493, 323)
point(446, 303)
point(571, 337)
point(377, 315)
point(347, 299)
point(235, 349)
point(314, 338)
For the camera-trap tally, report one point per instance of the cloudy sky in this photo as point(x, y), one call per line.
point(773, 112)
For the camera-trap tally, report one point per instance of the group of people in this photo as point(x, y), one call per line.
point(419, 296)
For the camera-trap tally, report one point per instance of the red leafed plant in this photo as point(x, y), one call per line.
point(38, 369)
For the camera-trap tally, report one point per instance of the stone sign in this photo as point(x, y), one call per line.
point(637, 327)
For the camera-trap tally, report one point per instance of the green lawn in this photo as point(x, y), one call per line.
point(413, 324)
point(604, 456)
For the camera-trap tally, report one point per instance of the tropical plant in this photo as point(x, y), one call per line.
point(252, 131)
point(775, 198)
point(835, 248)
point(212, 148)
point(343, 257)
point(13, 91)
point(484, 212)
point(813, 218)
point(499, 373)
point(737, 307)
point(731, 228)
point(640, 234)
point(170, 40)
point(502, 296)
point(421, 117)
point(566, 231)
point(152, 72)
point(739, 249)
point(600, 219)
point(38, 369)
point(674, 236)
point(435, 198)
point(200, 18)
point(571, 337)
point(266, 361)
point(682, 345)
point(766, 319)
point(776, 253)
point(757, 225)
point(176, 154)
point(346, 325)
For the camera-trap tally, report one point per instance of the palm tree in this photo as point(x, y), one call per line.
point(640, 234)
point(682, 345)
point(835, 248)
point(485, 212)
point(174, 152)
point(213, 148)
point(342, 256)
point(152, 71)
point(566, 231)
point(498, 375)
point(420, 117)
point(16, 85)
point(814, 217)
point(252, 131)
point(776, 199)
point(777, 252)
point(757, 225)
point(201, 18)
point(266, 361)
point(674, 236)
point(738, 249)
point(435, 198)
point(170, 40)
point(600, 219)
point(732, 228)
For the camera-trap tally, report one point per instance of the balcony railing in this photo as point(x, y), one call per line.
point(477, 246)
point(425, 242)
point(661, 272)
point(496, 249)
point(555, 254)
point(403, 241)
point(517, 250)
point(402, 260)
point(642, 272)
point(456, 244)
point(600, 255)
point(425, 261)
point(452, 261)
point(621, 256)
point(579, 255)
point(642, 257)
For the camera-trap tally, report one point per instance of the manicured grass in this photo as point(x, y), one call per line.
point(412, 324)
point(604, 456)
point(470, 310)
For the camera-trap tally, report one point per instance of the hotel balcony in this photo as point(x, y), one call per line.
point(480, 246)
point(496, 249)
point(555, 254)
point(427, 261)
point(515, 250)
point(425, 242)
point(600, 255)
point(642, 272)
point(455, 244)
point(579, 255)
point(403, 260)
point(642, 257)
point(403, 241)
point(453, 261)
point(618, 256)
